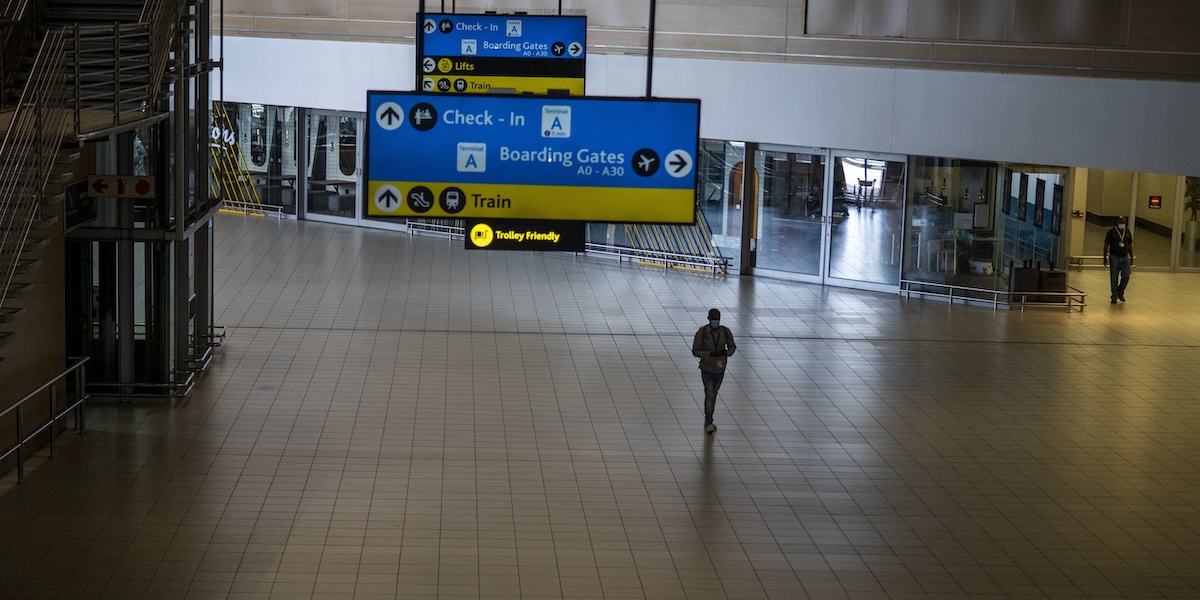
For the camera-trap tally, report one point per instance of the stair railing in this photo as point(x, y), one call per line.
point(28, 151)
point(16, 35)
point(108, 74)
point(163, 19)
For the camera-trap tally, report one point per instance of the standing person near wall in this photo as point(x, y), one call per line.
point(1118, 257)
point(713, 345)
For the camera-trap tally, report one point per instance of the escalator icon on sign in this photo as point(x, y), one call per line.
point(420, 199)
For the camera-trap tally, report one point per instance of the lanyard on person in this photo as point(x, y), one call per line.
point(1121, 237)
point(713, 335)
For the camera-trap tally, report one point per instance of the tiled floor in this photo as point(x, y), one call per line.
point(395, 417)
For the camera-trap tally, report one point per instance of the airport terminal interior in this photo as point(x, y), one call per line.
point(235, 364)
point(393, 416)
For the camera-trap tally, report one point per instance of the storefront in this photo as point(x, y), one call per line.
point(847, 218)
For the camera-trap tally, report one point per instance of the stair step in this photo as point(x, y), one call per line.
point(27, 266)
point(37, 224)
point(17, 290)
point(35, 244)
point(8, 315)
point(52, 198)
point(4, 335)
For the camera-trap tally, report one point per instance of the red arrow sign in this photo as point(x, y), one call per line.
point(121, 186)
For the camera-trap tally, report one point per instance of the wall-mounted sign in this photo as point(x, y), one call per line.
point(114, 186)
point(507, 234)
point(529, 157)
point(474, 54)
point(1155, 201)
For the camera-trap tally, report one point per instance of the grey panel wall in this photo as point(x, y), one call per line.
point(1090, 22)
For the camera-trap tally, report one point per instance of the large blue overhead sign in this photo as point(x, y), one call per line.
point(532, 157)
point(477, 53)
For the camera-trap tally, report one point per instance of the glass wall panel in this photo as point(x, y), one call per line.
point(332, 165)
point(267, 138)
point(1190, 255)
point(790, 214)
point(1154, 202)
point(954, 223)
point(719, 182)
point(866, 241)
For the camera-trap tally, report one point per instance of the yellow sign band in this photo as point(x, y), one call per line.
point(564, 203)
point(482, 84)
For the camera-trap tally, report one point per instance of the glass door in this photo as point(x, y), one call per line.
point(867, 225)
point(792, 215)
point(830, 217)
point(332, 167)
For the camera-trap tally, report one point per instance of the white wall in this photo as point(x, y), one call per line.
point(1068, 121)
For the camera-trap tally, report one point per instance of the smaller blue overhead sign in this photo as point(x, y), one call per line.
point(529, 157)
point(479, 54)
point(504, 36)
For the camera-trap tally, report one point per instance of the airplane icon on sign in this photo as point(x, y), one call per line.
point(645, 162)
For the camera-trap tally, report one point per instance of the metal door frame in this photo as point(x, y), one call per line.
point(302, 172)
point(822, 276)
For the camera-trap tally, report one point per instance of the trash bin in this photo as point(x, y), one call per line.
point(1023, 279)
point(1052, 281)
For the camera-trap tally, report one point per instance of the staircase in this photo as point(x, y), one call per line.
point(94, 68)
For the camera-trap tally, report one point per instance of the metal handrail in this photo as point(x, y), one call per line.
point(16, 34)
point(1075, 298)
point(23, 438)
point(27, 155)
point(110, 70)
point(162, 17)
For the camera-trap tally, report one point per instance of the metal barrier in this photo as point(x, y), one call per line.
point(718, 265)
point(252, 209)
point(81, 396)
point(1071, 300)
point(450, 231)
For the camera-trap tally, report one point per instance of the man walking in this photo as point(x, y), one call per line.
point(713, 345)
point(1118, 257)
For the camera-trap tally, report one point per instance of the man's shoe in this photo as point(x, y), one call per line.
point(1121, 297)
point(1114, 301)
point(710, 428)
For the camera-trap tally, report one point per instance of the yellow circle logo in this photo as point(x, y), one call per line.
point(482, 235)
point(445, 65)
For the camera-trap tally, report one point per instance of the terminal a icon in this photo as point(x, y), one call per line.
point(469, 47)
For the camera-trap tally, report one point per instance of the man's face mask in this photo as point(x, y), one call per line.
point(714, 323)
